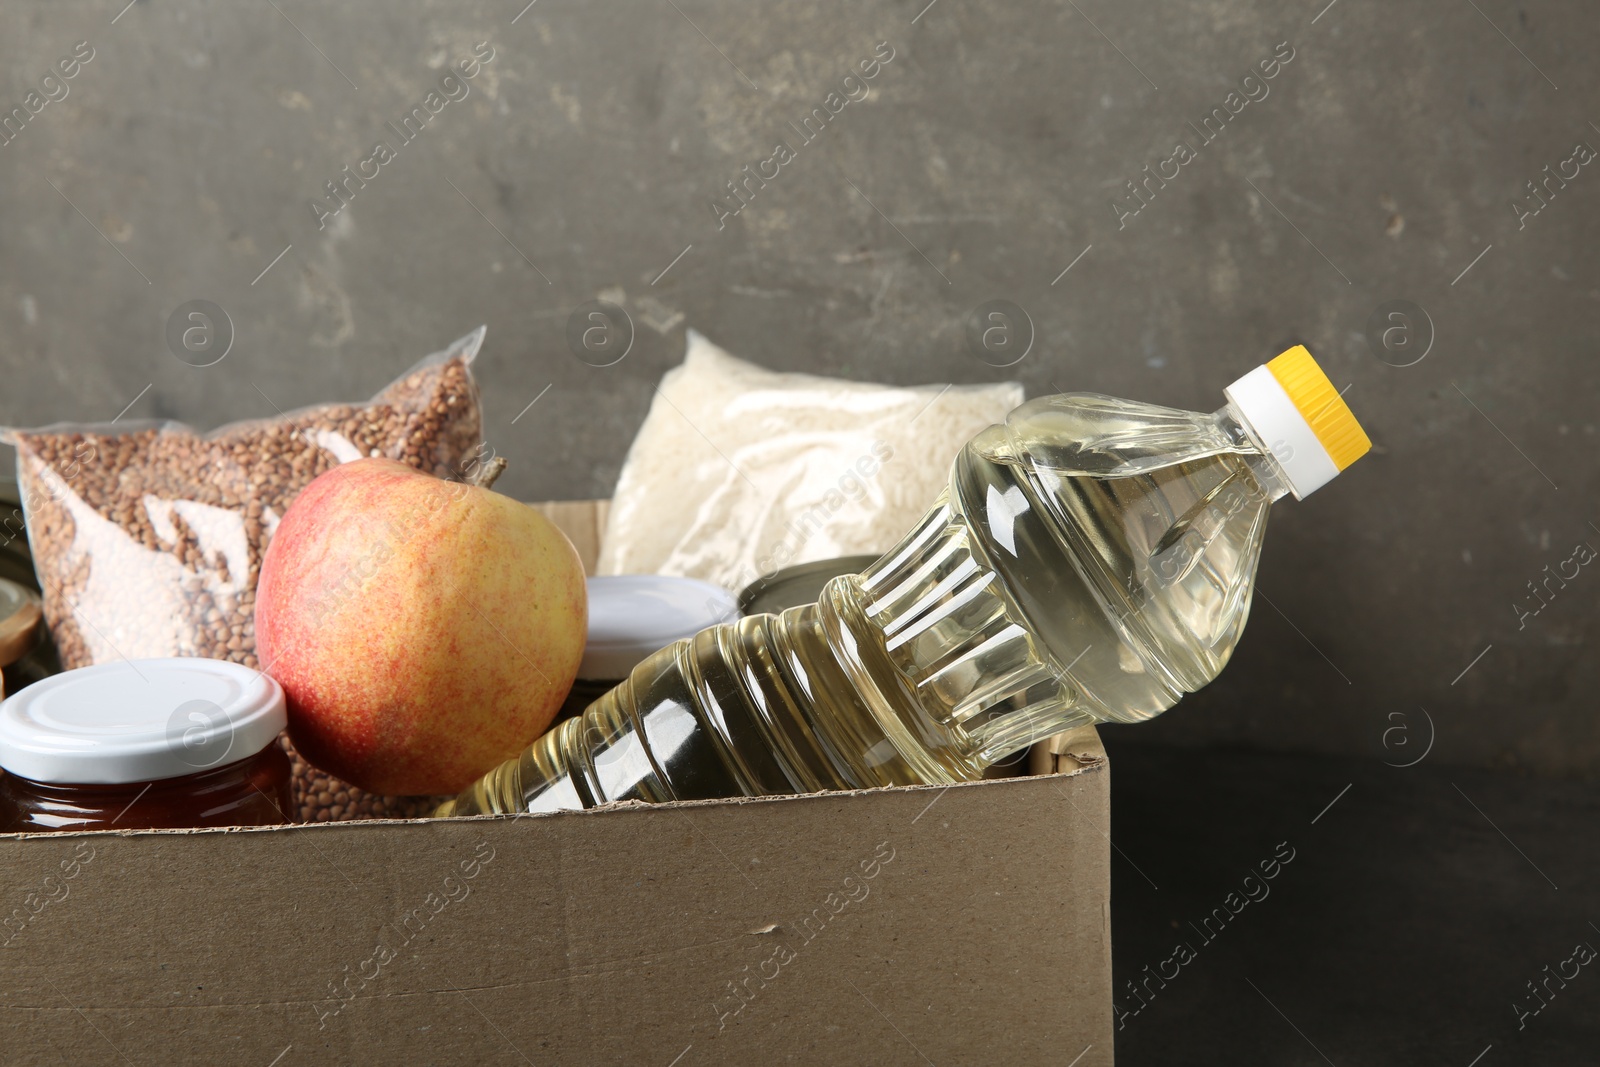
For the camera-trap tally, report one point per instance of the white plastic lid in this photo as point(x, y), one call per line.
point(1293, 411)
point(633, 615)
point(139, 721)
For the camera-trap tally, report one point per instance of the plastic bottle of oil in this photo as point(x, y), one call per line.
point(1092, 560)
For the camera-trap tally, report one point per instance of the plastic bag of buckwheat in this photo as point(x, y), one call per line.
point(147, 537)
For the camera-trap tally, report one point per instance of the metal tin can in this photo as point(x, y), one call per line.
point(799, 585)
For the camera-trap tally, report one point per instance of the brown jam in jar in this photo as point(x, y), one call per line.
point(144, 744)
point(251, 792)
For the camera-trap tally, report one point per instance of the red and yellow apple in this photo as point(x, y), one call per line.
point(423, 630)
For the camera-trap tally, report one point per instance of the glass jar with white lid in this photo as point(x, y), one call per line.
point(144, 744)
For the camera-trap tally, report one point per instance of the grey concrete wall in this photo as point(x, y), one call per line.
point(1380, 166)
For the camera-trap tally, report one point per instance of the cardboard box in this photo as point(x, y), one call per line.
point(935, 924)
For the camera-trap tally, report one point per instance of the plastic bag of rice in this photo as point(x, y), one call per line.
point(739, 471)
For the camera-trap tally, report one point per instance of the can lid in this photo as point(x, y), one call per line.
point(1294, 411)
point(139, 721)
point(798, 585)
point(633, 615)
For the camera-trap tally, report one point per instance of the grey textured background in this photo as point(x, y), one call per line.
point(983, 163)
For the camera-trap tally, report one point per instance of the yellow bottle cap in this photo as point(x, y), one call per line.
point(1293, 412)
point(1324, 409)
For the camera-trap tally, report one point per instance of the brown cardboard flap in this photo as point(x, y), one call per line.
point(1067, 752)
point(885, 926)
point(584, 523)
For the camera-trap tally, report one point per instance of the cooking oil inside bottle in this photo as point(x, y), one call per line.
point(1091, 560)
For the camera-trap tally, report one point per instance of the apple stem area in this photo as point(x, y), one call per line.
point(487, 473)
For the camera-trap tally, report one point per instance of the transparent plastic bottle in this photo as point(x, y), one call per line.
point(1091, 561)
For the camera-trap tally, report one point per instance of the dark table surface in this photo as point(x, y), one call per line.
point(1418, 905)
